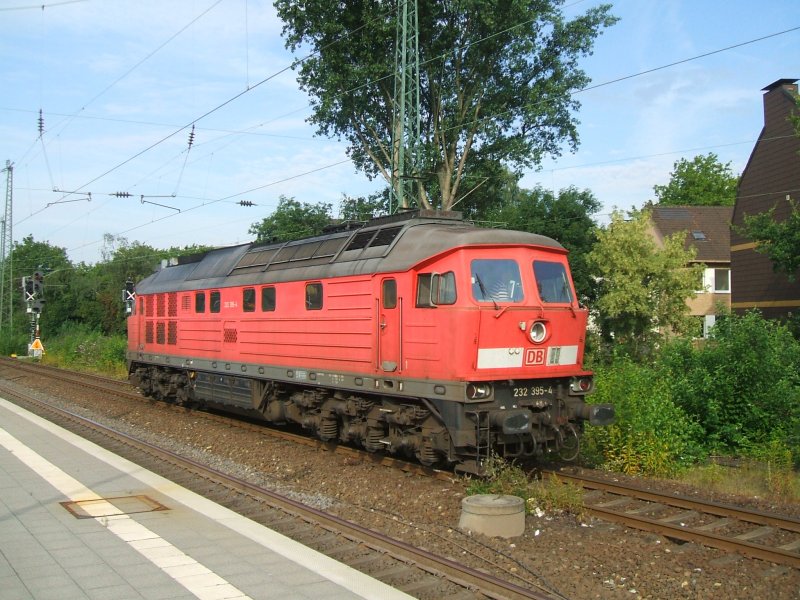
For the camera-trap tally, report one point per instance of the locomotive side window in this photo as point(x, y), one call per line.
point(313, 296)
point(496, 280)
point(267, 299)
point(389, 293)
point(200, 302)
point(215, 302)
point(434, 289)
point(249, 299)
point(551, 279)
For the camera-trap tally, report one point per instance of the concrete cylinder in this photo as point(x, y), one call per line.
point(493, 515)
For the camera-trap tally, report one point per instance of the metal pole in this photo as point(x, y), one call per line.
point(6, 243)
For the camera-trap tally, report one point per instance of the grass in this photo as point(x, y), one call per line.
point(549, 495)
point(772, 480)
point(747, 478)
point(87, 351)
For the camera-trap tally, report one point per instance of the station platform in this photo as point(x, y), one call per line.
point(78, 522)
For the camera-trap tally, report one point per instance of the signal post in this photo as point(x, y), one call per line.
point(33, 294)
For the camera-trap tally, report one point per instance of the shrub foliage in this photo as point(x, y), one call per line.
point(739, 393)
point(652, 435)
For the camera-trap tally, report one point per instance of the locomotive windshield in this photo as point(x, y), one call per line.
point(552, 282)
point(496, 280)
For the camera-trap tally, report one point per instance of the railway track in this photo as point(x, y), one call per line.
point(413, 570)
point(750, 533)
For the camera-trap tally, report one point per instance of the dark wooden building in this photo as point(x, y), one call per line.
point(770, 179)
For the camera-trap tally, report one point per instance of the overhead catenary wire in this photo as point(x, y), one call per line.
point(211, 111)
point(591, 87)
point(353, 89)
point(70, 118)
point(186, 158)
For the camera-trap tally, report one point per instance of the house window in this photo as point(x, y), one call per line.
point(716, 281)
point(722, 280)
point(708, 324)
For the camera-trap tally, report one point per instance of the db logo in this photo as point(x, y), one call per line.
point(534, 356)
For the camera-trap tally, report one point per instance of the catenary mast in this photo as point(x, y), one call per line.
point(406, 117)
point(6, 242)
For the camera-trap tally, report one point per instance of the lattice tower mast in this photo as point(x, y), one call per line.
point(6, 273)
point(406, 117)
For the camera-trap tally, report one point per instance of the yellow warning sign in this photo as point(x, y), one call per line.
point(37, 345)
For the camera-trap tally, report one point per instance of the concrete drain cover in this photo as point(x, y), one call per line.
point(110, 507)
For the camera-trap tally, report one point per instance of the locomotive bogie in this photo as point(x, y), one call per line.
point(417, 336)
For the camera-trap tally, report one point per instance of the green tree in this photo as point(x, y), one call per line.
point(566, 217)
point(29, 256)
point(122, 260)
point(363, 209)
point(642, 288)
point(496, 83)
point(292, 220)
point(779, 240)
point(703, 181)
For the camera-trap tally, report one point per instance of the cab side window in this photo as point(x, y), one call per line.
point(389, 293)
point(267, 299)
point(249, 299)
point(200, 302)
point(435, 289)
point(215, 302)
point(313, 296)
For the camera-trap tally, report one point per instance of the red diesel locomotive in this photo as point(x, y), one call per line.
point(417, 334)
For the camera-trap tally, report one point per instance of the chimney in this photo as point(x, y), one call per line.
point(774, 98)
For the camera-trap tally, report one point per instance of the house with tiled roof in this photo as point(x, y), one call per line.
point(707, 230)
point(770, 180)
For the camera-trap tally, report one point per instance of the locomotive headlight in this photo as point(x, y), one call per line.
point(478, 391)
point(538, 332)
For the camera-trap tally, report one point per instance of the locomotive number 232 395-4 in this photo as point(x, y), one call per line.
point(532, 391)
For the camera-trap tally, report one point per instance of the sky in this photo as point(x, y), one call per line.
point(120, 83)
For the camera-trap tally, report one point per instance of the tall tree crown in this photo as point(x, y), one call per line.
point(496, 82)
point(703, 181)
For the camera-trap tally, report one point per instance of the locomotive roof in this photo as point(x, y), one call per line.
point(388, 244)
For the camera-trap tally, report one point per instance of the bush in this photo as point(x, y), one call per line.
point(80, 348)
point(652, 435)
point(743, 386)
point(14, 343)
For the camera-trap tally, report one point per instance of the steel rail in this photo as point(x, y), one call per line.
point(687, 533)
point(485, 584)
